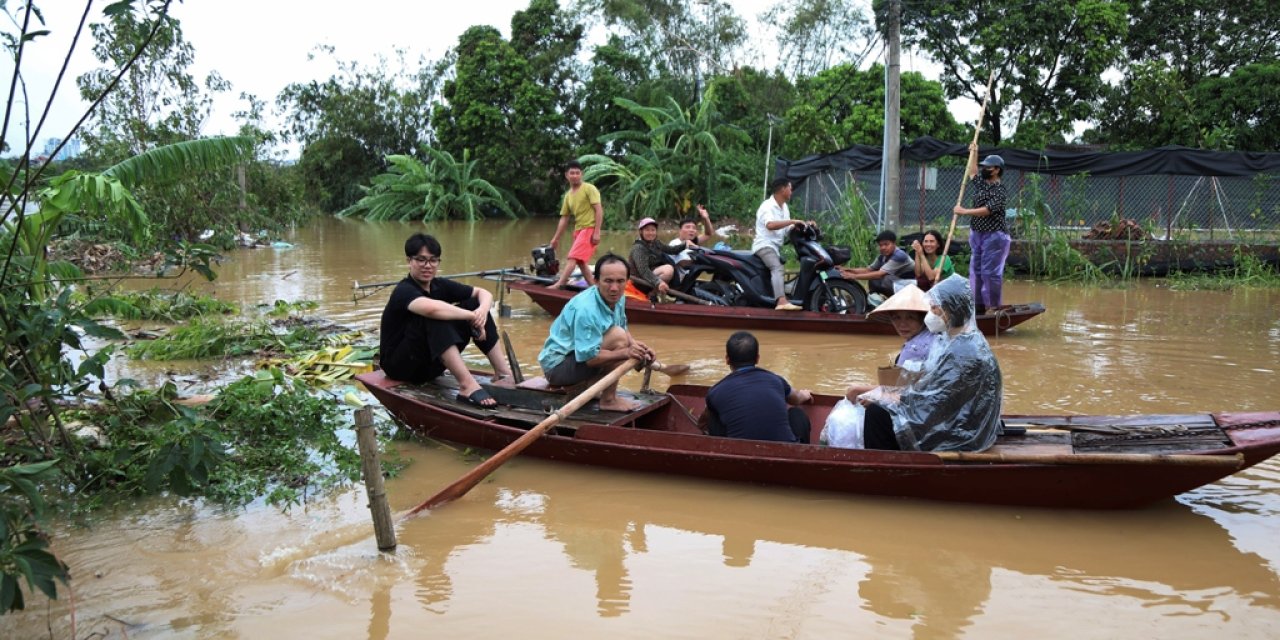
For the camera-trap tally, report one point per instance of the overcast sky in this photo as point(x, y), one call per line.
point(261, 46)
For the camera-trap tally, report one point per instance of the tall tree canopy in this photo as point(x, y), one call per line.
point(1204, 76)
point(843, 106)
point(681, 40)
point(496, 108)
point(350, 122)
point(550, 38)
point(157, 101)
point(814, 35)
point(1202, 39)
point(1048, 57)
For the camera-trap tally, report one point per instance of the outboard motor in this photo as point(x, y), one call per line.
point(544, 261)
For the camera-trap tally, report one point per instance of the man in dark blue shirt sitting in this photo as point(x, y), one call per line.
point(753, 403)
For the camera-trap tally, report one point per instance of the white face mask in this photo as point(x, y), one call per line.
point(934, 323)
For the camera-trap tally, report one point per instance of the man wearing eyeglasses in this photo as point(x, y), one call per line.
point(428, 322)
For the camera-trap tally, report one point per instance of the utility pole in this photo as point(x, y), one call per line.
point(890, 170)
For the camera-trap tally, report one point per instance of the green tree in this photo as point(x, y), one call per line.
point(157, 101)
point(615, 73)
point(814, 35)
point(1203, 72)
point(441, 189)
point(1246, 104)
point(1048, 57)
point(681, 40)
point(350, 122)
point(549, 39)
point(1201, 39)
point(843, 106)
point(1153, 107)
point(497, 109)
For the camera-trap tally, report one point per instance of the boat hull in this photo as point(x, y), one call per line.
point(761, 318)
point(662, 439)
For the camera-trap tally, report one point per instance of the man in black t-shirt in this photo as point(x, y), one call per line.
point(753, 403)
point(428, 322)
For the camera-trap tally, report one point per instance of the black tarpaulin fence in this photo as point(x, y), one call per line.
point(1170, 188)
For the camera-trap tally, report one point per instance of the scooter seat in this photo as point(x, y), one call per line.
point(745, 256)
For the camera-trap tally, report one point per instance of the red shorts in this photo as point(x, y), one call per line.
point(583, 248)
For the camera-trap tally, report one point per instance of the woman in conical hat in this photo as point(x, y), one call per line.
point(905, 310)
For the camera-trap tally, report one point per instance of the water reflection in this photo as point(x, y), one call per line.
point(927, 566)
point(551, 550)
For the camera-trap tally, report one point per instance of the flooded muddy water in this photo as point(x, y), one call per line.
point(543, 550)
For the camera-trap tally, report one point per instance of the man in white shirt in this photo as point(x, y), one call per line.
point(772, 221)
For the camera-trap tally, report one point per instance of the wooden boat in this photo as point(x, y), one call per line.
point(1060, 461)
point(695, 315)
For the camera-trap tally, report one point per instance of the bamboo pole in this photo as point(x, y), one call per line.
point(384, 527)
point(1175, 460)
point(973, 156)
point(355, 284)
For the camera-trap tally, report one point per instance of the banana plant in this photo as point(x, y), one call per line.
point(108, 194)
point(668, 166)
point(440, 189)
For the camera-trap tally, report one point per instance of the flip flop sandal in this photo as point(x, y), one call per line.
point(477, 398)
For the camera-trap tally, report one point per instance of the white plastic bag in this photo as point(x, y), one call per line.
point(844, 426)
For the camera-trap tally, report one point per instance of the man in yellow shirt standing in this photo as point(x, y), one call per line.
point(582, 202)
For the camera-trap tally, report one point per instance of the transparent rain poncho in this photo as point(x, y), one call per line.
point(955, 405)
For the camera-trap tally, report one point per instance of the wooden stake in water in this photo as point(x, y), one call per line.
point(371, 467)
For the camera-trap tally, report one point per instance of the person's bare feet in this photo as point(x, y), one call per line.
point(618, 404)
point(505, 381)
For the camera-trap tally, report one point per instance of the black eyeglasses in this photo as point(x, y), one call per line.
point(426, 260)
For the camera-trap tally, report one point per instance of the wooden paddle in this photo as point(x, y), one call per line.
point(472, 478)
point(973, 156)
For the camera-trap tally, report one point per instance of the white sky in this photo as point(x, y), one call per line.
point(261, 46)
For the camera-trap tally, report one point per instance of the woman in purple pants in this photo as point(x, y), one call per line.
point(988, 237)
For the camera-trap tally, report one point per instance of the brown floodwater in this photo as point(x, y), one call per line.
point(543, 550)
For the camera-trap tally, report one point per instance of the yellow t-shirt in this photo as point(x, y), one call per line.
point(581, 205)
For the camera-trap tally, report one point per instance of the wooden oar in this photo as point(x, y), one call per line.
point(1177, 460)
point(464, 484)
point(973, 156)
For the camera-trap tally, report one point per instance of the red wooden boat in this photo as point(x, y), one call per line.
point(1060, 461)
point(696, 315)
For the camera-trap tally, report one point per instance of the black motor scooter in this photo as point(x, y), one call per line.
point(739, 278)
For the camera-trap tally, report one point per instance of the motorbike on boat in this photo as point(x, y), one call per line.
point(740, 278)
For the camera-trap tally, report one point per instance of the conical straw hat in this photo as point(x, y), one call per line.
point(909, 298)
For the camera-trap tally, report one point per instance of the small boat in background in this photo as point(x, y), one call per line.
point(760, 318)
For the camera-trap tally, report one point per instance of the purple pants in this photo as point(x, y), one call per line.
point(986, 267)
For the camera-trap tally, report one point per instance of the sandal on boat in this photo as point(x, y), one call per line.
point(477, 398)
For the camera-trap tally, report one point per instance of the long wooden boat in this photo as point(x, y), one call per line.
point(696, 315)
point(1096, 462)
